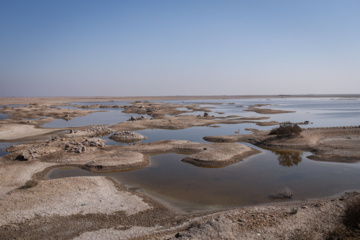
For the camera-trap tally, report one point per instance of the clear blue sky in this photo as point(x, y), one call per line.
point(183, 47)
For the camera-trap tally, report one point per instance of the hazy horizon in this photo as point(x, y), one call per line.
point(178, 48)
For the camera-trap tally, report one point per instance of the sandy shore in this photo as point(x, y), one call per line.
point(98, 207)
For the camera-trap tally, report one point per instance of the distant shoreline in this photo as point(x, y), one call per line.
point(57, 99)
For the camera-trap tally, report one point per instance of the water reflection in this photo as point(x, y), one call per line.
point(248, 182)
point(288, 158)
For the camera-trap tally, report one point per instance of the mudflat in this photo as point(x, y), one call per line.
point(33, 207)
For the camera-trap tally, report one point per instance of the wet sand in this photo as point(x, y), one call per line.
point(81, 207)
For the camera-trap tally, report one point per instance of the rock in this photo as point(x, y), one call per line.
point(127, 136)
point(100, 130)
point(28, 155)
point(78, 147)
point(55, 138)
point(93, 143)
point(23, 157)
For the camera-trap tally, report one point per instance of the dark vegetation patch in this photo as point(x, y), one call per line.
point(29, 184)
point(286, 129)
point(350, 227)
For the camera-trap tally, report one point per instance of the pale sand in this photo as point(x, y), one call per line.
point(10, 132)
point(15, 174)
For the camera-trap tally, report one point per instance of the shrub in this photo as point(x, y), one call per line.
point(282, 194)
point(302, 234)
point(351, 217)
point(350, 229)
point(287, 129)
point(293, 211)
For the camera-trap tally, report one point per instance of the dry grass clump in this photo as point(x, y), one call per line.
point(287, 129)
point(284, 193)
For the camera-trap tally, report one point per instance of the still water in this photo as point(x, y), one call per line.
point(245, 183)
point(3, 146)
point(322, 112)
point(3, 116)
point(249, 182)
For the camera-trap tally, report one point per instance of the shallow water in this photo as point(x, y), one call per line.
point(321, 112)
point(4, 145)
point(249, 182)
point(103, 116)
point(193, 134)
point(106, 117)
point(245, 183)
point(3, 116)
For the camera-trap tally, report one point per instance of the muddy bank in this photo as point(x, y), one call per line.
point(337, 144)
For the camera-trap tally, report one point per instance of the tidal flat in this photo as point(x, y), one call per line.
point(206, 167)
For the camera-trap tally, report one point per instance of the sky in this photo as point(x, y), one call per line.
point(179, 47)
